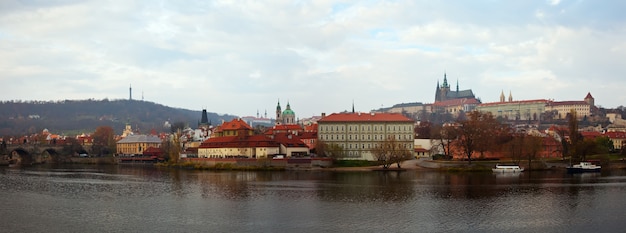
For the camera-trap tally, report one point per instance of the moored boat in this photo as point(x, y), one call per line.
point(507, 168)
point(583, 167)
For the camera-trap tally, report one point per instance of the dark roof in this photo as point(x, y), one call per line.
point(460, 94)
point(140, 138)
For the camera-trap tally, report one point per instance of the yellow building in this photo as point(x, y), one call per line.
point(137, 144)
point(358, 133)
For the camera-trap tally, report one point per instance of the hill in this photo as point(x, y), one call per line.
point(71, 117)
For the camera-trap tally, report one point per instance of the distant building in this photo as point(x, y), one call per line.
point(235, 127)
point(235, 139)
point(535, 109)
point(287, 117)
point(137, 144)
point(562, 108)
point(515, 110)
point(358, 133)
point(443, 92)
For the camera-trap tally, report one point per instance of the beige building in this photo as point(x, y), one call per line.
point(137, 144)
point(358, 133)
point(515, 110)
point(534, 109)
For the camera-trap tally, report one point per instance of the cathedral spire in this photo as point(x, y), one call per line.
point(445, 80)
point(502, 96)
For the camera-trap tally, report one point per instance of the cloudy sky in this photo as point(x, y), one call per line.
point(237, 57)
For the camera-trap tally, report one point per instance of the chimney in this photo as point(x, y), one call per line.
point(323, 114)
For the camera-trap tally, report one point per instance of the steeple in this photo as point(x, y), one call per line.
point(279, 118)
point(457, 85)
point(445, 81)
point(502, 96)
point(510, 97)
point(352, 106)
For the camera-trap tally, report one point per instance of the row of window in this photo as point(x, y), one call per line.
point(369, 146)
point(352, 128)
point(363, 137)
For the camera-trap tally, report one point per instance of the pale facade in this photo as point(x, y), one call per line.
point(563, 108)
point(230, 152)
point(359, 133)
point(137, 144)
point(515, 110)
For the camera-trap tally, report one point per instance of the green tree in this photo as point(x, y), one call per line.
point(605, 145)
point(586, 146)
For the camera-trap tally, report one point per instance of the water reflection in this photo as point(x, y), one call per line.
point(141, 198)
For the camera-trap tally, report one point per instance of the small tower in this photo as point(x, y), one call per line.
point(502, 96)
point(589, 99)
point(510, 97)
point(279, 117)
point(130, 92)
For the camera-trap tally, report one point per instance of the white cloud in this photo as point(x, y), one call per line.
point(237, 57)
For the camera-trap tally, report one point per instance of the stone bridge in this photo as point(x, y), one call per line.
point(28, 154)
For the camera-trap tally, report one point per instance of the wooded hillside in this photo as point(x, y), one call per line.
point(71, 117)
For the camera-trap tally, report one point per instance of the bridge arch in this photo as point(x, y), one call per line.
point(20, 156)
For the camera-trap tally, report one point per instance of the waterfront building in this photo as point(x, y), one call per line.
point(358, 133)
point(236, 139)
point(137, 144)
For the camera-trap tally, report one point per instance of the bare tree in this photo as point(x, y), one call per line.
point(442, 138)
point(391, 151)
point(332, 150)
point(478, 133)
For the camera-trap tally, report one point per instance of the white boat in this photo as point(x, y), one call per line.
point(507, 168)
point(583, 167)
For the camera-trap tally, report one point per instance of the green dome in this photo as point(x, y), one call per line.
point(288, 112)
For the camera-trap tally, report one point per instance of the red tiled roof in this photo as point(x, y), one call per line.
point(370, 117)
point(311, 127)
point(235, 124)
point(592, 134)
point(615, 134)
point(588, 96)
point(308, 135)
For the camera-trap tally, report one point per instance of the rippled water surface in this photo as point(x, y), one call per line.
point(146, 199)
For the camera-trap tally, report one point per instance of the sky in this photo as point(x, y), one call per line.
point(243, 57)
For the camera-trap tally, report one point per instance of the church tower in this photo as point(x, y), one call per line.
point(289, 116)
point(279, 117)
point(502, 96)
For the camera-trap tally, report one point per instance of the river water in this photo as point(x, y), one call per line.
point(127, 198)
